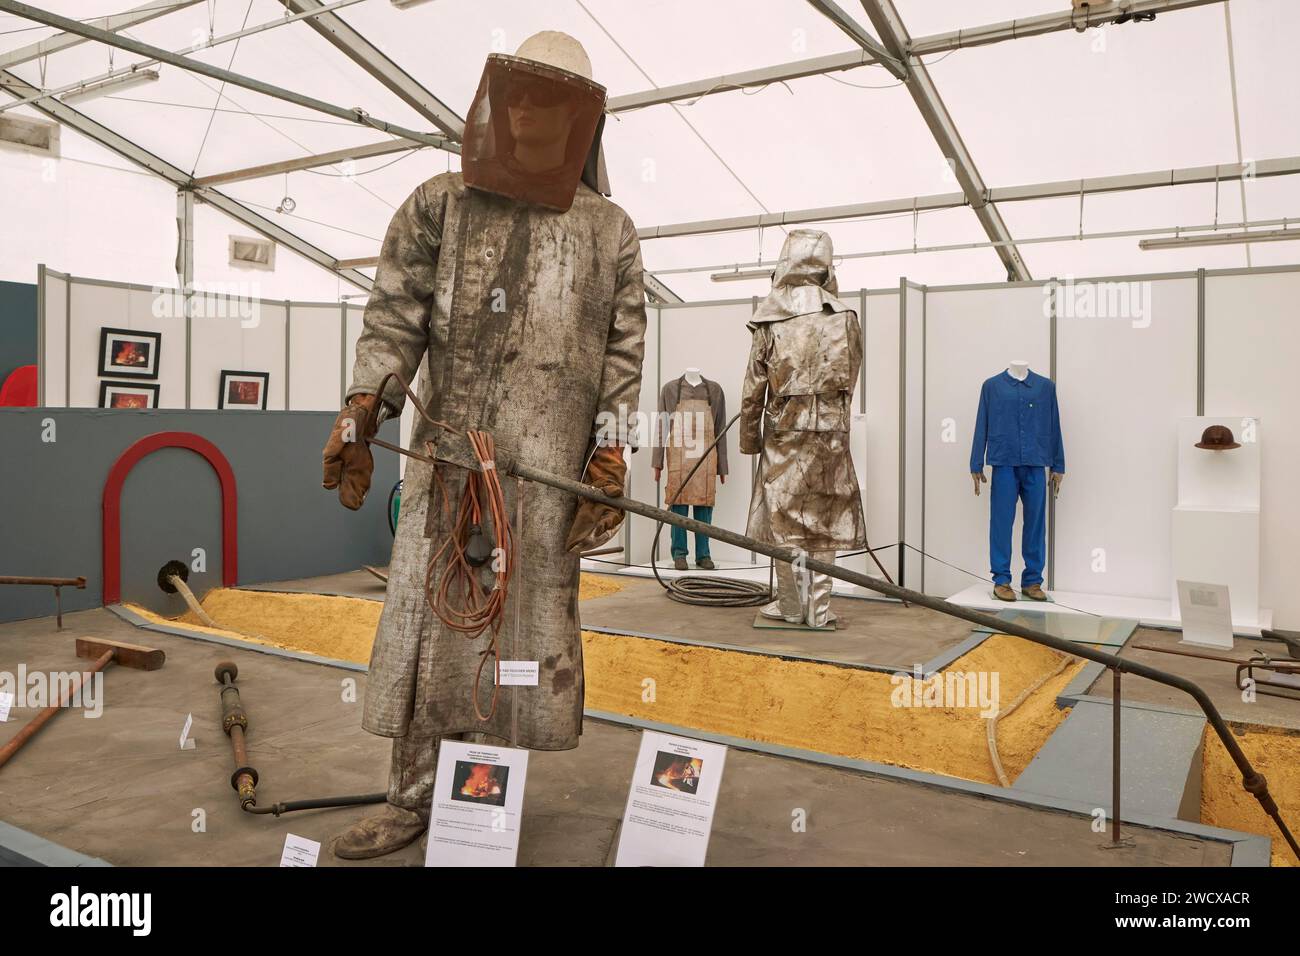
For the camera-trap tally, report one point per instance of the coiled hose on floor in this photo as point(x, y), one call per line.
point(709, 590)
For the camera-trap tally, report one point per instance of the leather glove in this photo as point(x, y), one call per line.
point(596, 522)
point(347, 459)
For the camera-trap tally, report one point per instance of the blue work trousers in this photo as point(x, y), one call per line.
point(702, 513)
point(1028, 485)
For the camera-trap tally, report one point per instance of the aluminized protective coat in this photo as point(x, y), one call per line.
point(528, 323)
point(795, 405)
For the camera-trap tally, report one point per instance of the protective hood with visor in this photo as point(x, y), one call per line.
point(804, 281)
point(555, 109)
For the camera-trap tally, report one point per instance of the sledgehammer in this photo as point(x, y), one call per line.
point(105, 653)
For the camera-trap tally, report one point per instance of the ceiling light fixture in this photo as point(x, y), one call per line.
point(1219, 239)
point(737, 275)
point(112, 85)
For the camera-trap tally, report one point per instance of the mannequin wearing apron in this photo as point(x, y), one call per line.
point(691, 408)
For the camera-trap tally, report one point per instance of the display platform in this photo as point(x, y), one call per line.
point(120, 790)
point(734, 570)
point(1151, 612)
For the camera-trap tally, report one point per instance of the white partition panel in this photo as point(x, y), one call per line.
point(971, 334)
point(355, 314)
point(714, 339)
point(638, 532)
point(879, 475)
point(912, 475)
point(53, 372)
point(96, 306)
point(1252, 340)
point(1125, 374)
point(315, 357)
point(224, 337)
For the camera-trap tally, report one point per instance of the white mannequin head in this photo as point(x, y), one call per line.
point(1018, 369)
point(693, 376)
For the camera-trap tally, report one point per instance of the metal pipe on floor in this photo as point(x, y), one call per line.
point(57, 583)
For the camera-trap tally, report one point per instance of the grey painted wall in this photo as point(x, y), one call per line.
point(17, 326)
point(289, 527)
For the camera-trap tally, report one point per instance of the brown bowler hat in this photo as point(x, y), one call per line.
point(1218, 438)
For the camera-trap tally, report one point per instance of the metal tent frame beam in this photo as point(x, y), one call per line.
point(150, 10)
point(1191, 175)
point(314, 161)
point(884, 17)
point(923, 46)
point(214, 72)
point(850, 28)
point(367, 56)
point(62, 113)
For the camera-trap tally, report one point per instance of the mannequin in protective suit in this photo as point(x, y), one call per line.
point(515, 289)
point(795, 413)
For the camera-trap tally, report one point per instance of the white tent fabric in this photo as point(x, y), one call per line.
point(1128, 98)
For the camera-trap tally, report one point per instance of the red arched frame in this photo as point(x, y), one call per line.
point(113, 505)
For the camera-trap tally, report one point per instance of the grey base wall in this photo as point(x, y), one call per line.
point(51, 518)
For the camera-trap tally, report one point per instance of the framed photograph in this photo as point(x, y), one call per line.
point(129, 354)
point(128, 394)
point(245, 390)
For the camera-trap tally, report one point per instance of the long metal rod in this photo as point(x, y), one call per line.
point(1252, 780)
point(354, 115)
point(1115, 751)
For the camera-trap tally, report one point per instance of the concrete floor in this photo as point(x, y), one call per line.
point(881, 633)
point(119, 788)
point(1217, 678)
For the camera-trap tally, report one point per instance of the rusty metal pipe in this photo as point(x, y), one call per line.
point(44, 717)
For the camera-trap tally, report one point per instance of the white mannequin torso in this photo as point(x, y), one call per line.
point(1018, 369)
point(693, 376)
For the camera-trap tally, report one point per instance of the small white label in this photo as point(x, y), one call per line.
point(299, 851)
point(186, 742)
point(518, 674)
point(6, 701)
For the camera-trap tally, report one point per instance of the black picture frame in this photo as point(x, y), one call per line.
point(149, 388)
point(223, 393)
point(108, 340)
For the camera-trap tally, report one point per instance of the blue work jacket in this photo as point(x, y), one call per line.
point(1018, 423)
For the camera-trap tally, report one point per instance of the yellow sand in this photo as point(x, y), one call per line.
point(1274, 752)
point(341, 628)
point(845, 711)
point(837, 710)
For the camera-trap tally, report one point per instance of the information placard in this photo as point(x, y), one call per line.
point(478, 801)
point(669, 813)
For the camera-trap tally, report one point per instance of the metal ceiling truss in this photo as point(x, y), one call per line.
point(1187, 176)
point(150, 10)
point(893, 34)
point(62, 113)
point(1100, 15)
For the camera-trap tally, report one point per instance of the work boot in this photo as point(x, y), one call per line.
point(380, 833)
point(1034, 592)
point(679, 564)
point(1003, 592)
point(706, 564)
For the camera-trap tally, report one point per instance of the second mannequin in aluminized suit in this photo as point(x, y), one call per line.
point(795, 413)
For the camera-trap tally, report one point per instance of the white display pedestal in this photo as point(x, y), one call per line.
point(1215, 524)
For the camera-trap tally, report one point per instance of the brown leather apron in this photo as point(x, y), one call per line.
point(691, 432)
